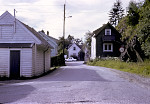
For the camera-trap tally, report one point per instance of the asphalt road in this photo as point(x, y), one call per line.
point(75, 83)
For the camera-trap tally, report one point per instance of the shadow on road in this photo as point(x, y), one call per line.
point(12, 93)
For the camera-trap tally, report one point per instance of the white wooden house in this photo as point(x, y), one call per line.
point(52, 41)
point(23, 52)
point(73, 50)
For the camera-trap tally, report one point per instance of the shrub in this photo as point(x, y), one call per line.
point(58, 60)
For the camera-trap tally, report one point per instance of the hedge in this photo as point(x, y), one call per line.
point(58, 60)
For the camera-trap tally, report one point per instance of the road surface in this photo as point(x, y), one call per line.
point(75, 83)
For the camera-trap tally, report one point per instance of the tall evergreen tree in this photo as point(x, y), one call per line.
point(116, 13)
point(133, 13)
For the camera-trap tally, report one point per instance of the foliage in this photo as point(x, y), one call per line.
point(64, 43)
point(58, 60)
point(88, 40)
point(116, 13)
point(144, 27)
point(133, 13)
point(137, 23)
point(142, 69)
point(78, 41)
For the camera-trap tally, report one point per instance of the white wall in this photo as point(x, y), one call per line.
point(4, 62)
point(11, 32)
point(71, 51)
point(47, 60)
point(25, 61)
point(93, 48)
point(39, 61)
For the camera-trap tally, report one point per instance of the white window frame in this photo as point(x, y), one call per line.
point(106, 31)
point(104, 44)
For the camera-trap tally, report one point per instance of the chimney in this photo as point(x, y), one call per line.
point(48, 33)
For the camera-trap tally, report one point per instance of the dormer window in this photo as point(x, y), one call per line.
point(107, 31)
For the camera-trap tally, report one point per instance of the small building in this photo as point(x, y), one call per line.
point(52, 41)
point(105, 42)
point(23, 52)
point(76, 51)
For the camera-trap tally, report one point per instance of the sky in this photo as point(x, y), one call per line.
point(47, 15)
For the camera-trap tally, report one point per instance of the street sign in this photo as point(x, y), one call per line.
point(121, 49)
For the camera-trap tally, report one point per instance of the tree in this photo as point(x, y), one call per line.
point(116, 13)
point(137, 23)
point(88, 36)
point(144, 27)
point(69, 40)
point(133, 13)
point(78, 41)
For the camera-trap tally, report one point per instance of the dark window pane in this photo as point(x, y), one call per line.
point(109, 47)
point(105, 47)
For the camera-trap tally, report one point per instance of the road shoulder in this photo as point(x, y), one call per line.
point(142, 81)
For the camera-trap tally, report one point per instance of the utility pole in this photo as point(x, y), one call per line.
point(64, 29)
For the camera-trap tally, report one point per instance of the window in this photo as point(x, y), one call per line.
point(74, 48)
point(107, 47)
point(107, 31)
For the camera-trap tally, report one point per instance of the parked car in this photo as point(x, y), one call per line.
point(70, 59)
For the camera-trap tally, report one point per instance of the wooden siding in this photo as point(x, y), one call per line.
point(47, 60)
point(4, 61)
point(26, 62)
point(39, 61)
point(99, 44)
point(33, 60)
point(20, 36)
point(6, 32)
point(7, 19)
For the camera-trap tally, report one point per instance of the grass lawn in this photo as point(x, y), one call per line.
point(142, 69)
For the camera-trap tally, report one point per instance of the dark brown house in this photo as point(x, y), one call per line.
point(105, 42)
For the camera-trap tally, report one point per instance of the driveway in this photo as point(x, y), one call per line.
point(75, 83)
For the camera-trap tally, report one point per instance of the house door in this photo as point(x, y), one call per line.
point(14, 64)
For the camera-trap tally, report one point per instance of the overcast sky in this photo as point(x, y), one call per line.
point(87, 15)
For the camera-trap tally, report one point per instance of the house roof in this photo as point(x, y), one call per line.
point(33, 31)
point(49, 39)
point(75, 44)
point(97, 31)
point(56, 40)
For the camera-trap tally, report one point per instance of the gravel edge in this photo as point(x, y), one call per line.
point(142, 81)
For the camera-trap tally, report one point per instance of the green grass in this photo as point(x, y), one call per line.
point(142, 69)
